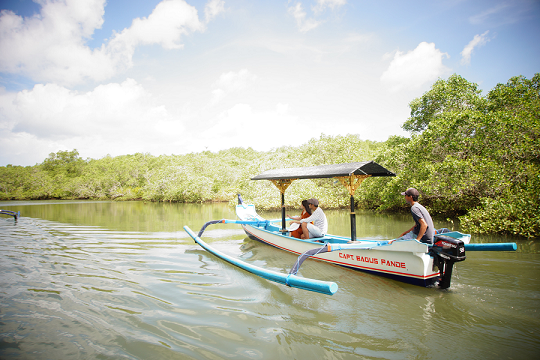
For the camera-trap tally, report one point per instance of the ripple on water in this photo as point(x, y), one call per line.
point(82, 291)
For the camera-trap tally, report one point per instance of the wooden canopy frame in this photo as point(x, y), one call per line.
point(351, 175)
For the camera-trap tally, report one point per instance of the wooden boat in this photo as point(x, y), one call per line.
point(405, 260)
point(11, 213)
point(409, 261)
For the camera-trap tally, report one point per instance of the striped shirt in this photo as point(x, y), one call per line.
point(319, 220)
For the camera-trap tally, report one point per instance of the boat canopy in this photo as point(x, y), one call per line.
point(370, 168)
point(350, 175)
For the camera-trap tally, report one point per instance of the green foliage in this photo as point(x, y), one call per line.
point(325, 150)
point(477, 157)
point(65, 163)
point(514, 212)
point(454, 94)
point(472, 156)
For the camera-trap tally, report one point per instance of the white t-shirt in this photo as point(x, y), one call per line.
point(319, 220)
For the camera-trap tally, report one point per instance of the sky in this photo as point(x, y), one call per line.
point(173, 77)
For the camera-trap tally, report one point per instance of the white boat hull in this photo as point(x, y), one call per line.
point(403, 260)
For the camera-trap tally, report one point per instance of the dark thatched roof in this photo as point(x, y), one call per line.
point(326, 171)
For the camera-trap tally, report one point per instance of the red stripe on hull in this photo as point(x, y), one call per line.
point(418, 279)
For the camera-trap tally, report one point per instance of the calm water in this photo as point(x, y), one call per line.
point(122, 280)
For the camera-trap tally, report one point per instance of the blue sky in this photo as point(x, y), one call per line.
point(172, 77)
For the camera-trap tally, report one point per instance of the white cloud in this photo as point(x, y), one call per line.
point(54, 112)
point(478, 40)
point(231, 82)
point(304, 24)
point(118, 117)
point(332, 4)
point(51, 46)
point(415, 68)
point(213, 8)
point(170, 20)
point(243, 126)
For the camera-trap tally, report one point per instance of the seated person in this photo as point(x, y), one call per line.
point(319, 227)
point(295, 229)
point(423, 229)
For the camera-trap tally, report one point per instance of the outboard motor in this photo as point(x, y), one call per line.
point(446, 251)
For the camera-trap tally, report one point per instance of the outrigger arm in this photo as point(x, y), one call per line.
point(291, 280)
point(11, 213)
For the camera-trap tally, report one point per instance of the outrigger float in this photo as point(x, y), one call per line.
point(409, 261)
point(11, 213)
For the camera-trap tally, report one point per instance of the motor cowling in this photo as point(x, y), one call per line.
point(446, 251)
point(449, 248)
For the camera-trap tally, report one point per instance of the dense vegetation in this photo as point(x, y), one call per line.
point(474, 157)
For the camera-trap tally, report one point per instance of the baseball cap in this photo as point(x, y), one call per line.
point(411, 192)
point(313, 201)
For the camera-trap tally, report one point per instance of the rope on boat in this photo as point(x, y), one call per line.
point(329, 247)
point(305, 255)
point(211, 222)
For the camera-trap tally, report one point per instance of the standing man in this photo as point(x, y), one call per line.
point(320, 224)
point(423, 229)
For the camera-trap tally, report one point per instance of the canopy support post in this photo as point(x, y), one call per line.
point(283, 222)
point(282, 185)
point(353, 220)
point(352, 182)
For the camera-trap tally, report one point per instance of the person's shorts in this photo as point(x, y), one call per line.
point(408, 236)
point(314, 232)
point(411, 235)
